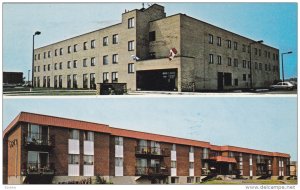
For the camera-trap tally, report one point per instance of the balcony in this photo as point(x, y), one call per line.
point(261, 162)
point(147, 151)
point(34, 168)
point(263, 173)
point(39, 142)
point(152, 171)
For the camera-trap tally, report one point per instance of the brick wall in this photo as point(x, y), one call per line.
point(129, 156)
point(197, 161)
point(101, 154)
point(182, 154)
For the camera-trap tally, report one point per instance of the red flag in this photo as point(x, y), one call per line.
point(172, 54)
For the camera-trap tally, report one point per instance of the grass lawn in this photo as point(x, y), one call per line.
point(252, 182)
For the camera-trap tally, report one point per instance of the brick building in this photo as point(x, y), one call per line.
point(46, 149)
point(206, 57)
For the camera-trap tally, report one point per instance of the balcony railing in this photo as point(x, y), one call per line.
point(38, 140)
point(261, 161)
point(32, 168)
point(152, 171)
point(152, 151)
point(263, 172)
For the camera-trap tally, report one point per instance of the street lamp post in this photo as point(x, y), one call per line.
point(36, 33)
point(282, 63)
point(255, 42)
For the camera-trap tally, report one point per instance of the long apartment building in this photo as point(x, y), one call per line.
point(151, 51)
point(46, 149)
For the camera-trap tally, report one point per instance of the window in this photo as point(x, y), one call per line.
point(55, 52)
point(131, 68)
point(69, 49)
point(44, 67)
point(49, 54)
point(60, 65)
point(85, 81)
point(119, 162)
point(235, 45)
point(85, 46)
point(259, 52)
point(269, 54)
point(74, 134)
point(152, 36)
point(191, 149)
point(75, 64)
point(88, 135)
point(244, 48)
point(236, 63)
point(49, 67)
point(211, 58)
point(266, 67)
point(75, 48)
point(236, 82)
point(55, 66)
point(260, 66)
point(44, 55)
point(114, 77)
point(35, 57)
point(61, 51)
point(255, 65)
point(115, 39)
point(115, 58)
point(248, 64)
point(93, 44)
point(210, 39)
point(38, 68)
point(69, 64)
point(229, 61)
point(84, 62)
point(190, 179)
point(191, 165)
point(93, 61)
point(131, 23)
point(130, 45)
point(74, 81)
point(174, 147)
point(105, 41)
point(68, 81)
point(105, 60)
point(227, 80)
point(39, 56)
point(92, 81)
point(219, 43)
point(173, 164)
point(73, 159)
point(273, 56)
point(244, 64)
point(88, 160)
point(244, 77)
point(105, 77)
point(255, 51)
point(219, 60)
point(119, 141)
point(229, 44)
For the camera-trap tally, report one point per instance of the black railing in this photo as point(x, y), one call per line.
point(263, 172)
point(152, 171)
point(261, 161)
point(32, 168)
point(155, 151)
point(37, 139)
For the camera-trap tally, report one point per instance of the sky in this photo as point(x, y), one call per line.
point(263, 123)
point(275, 23)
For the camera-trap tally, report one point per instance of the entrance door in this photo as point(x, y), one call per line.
point(220, 81)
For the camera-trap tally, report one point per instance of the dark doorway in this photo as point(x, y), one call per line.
point(220, 81)
point(157, 80)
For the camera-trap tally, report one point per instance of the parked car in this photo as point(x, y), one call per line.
point(282, 86)
point(294, 83)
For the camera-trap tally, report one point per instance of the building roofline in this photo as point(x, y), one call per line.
point(103, 128)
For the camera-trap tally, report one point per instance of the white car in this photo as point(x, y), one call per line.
point(282, 86)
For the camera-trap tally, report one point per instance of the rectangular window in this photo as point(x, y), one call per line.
point(60, 65)
point(244, 77)
point(61, 51)
point(69, 49)
point(49, 54)
point(211, 58)
point(55, 52)
point(131, 23)
point(266, 53)
point(73, 134)
point(219, 60)
point(74, 81)
point(55, 66)
point(210, 39)
point(105, 77)
point(84, 64)
point(38, 68)
point(235, 45)
point(229, 61)
point(75, 64)
point(115, 58)
point(88, 160)
point(44, 55)
point(75, 48)
point(131, 68)
point(269, 54)
point(105, 60)
point(93, 44)
point(44, 67)
point(35, 57)
point(85, 46)
point(152, 36)
point(236, 63)
point(119, 162)
point(173, 164)
point(255, 51)
point(105, 41)
point(266, 67)
point(93, 61)
point(273, 56)
point(219, 43)
point(73, 159)
point(85, 81)
point(131, 46)
point(92, 81)
point(244, 48)
point(115, 39)
point(88, 135)
point(69, 64)
point(260, 66)
point(229, 44)
point(49, 67)
point(259, 52)
point(244, 63)
point(114, 77)
point(119, 141)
